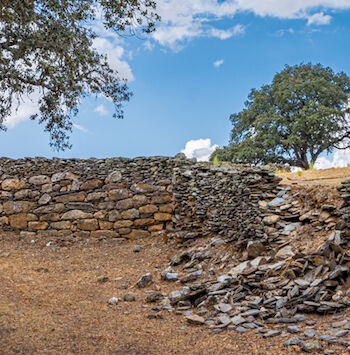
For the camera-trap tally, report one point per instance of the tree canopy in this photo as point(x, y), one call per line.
point(302, 113)
point(46, 47)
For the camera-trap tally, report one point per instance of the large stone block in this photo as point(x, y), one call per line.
point(156, 228)
point(12, 207)
point(39, 180)
point(104, 234)
point(130, 214)
point(18, 220)
point(148, 209)
point(163, 216)
point(61, 225)
point(124, 204)
point(123, 224)
point(13, 184)
point(64, 176)
point(38, 225)
point(118, 194)
point(96, 196)
point(91, 184)
point(114, 216)
point(56, 208)
point(87, 224)
point(114, 176)
point(76, 214)
point(142, 222)
point(140, 200)
point(143, 188)
point(104, 225)
point(169, 208)
point(50, 217)
point(72, 197)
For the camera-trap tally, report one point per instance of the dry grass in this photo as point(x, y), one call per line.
point(51, 303)
point(314, 177)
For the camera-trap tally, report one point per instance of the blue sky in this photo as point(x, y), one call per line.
point(195, 71)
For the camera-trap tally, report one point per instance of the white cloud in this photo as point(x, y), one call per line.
point(101, 109)
point(22, 110)
point(114, 53)
point(201, 149)
point(341, 159)
point(187, 19)
point(282, 32)
point(319, 19)
point(218, 63)
point(80, 128)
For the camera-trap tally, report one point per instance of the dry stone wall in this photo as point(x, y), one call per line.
point(223, 200)
point(97, 197)
point(134, 198)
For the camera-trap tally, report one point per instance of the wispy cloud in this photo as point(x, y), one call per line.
point(101, 110)
point(80, 128)
point(218, 63)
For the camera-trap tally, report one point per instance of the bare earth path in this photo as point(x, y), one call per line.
point(52, 303)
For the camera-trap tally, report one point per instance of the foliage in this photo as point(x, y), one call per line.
point(46, 47)
point(303, 112)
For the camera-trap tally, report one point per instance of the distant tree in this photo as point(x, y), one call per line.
point(302, 113)
point(46, 46)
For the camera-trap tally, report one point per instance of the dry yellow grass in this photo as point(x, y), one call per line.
point(314, 177)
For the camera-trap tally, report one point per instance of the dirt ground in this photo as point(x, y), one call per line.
point(315, 177)
point(52, 303)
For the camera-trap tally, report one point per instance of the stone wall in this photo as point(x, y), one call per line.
point(99, 197)
point(223, 200)
point(134, 198)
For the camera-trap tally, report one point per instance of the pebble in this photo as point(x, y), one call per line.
point(102, 278)
point(271, 333)
point(339, 323)
point(311, 346)
point(293, 329)
point(339, 333)
point(195, 319)
point(136, 249)
point(328, 352)
point(113, 301)
point(145, 280)
point(293, 341)
point(241, 329)
point(310, 333)
point(129, 297)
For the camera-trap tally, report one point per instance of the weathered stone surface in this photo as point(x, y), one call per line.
point(18, 220)
point(122, 224)
point(162, 216)
point(148, 209)
point(61, 225)
point(91, 184)
point(74, 197)
point(130, 214)
point(140, 200)
point(143, 222)
point(162, 199)
point(104, 225)
point(118, 194)
point(114, 176)
point(144, 281)
point(96, 196)
point(88, 224)
point(12, 207)
point(38, 225)
point(76, 214)
point(39, 180)
point(169, 208)
point(156, 228)
point(44, 199)
point(195, 319)
point(125, 204)
point(4, 221)
point(56, 208)
point(114, 216)
point(13, 184)
point(143, 188)
point(104, 234)
point(269, 220)
point(255, 249)
point(64, 176)
point(54, 217)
